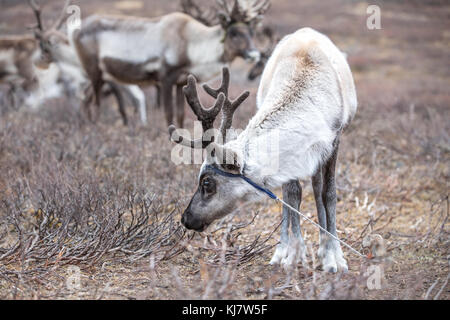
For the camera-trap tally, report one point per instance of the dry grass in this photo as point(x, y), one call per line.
point(107, 199)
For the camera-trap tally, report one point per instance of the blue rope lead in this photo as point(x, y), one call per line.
point(273, 196)
point(233, 175)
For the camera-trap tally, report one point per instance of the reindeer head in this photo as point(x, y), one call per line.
point(47, 38)
point(258, 68)
point(216, 195)
point(239, 21)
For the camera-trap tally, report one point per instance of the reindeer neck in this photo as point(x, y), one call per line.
point(65, 53)
point(206, 51)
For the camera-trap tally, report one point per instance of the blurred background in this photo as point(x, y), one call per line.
point(393, 174)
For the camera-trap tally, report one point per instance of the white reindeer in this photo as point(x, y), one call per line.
point(306, 95)
point(143, 51)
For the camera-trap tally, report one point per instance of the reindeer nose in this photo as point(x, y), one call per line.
point(192, 223)
point(253, 55)
point(186, 219)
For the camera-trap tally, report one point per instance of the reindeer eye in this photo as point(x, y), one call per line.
point(230, 167)
point(208, 186)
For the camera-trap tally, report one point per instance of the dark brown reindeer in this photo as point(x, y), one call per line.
point(164, 50)
point(268, 34)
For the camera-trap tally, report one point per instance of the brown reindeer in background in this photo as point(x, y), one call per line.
point(268, 35)
point(16, 63)
point(164, 50)
point(55, 48)
point(23, 59)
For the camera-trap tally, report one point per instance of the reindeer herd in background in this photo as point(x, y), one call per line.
point(118, 54)
point(306, 94)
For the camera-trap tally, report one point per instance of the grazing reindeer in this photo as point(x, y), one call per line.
point(20, 57)
point(258, 68)
point(16, 63)
point(164, 50)
point(306, 95)
point(55, 48)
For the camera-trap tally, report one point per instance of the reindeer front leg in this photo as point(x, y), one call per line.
point(180, 105)
point(167, 99)
point(158, 95)
point(291, 249)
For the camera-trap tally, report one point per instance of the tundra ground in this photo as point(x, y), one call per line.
point(91, 211)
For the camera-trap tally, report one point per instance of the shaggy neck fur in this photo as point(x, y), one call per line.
point(303, 106)
point(206, 51)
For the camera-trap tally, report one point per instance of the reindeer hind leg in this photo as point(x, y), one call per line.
point(325, 255)
point(332, 247)
point(138, 97)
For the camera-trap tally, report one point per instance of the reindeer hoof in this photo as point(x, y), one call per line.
point(330, 269)
point(279, 254)
point(332, 258)
point(289, 255)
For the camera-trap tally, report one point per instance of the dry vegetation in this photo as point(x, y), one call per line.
point(107, 199)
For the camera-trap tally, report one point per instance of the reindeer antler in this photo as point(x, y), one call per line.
point(204, 15)
point(37, 13)
point(229, 107)
point(62, 17)
point(207, 116)
point(244, 10)
point(255, 8)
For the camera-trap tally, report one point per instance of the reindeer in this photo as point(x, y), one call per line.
point(16, 63)
point(257, 69)
point(20, 58)
point(307, 97)
point(55, 48)
point(164, 50)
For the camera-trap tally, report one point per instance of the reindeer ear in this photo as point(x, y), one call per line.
point(226, 158)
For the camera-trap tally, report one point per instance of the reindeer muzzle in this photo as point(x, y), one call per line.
point(252, 55)
point(192, 223)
